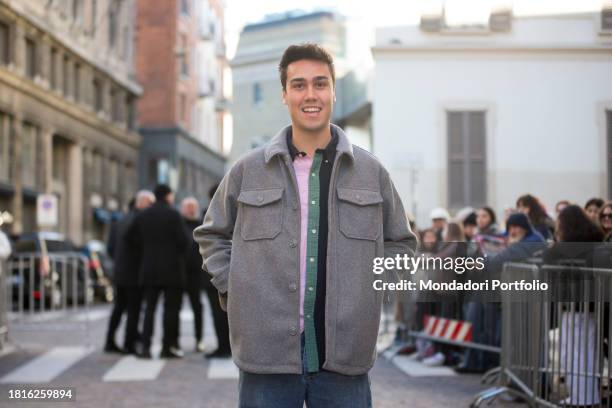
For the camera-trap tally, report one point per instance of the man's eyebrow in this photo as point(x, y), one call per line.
point(317, 78)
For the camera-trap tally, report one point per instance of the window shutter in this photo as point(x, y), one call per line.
point(466, 158)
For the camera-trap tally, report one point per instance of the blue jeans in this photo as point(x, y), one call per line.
point(323, 389)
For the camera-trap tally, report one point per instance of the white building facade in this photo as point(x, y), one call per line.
point(474, 116)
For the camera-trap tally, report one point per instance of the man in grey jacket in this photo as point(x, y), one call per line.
point(289, 239)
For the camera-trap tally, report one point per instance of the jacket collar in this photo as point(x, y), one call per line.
point(278, 144)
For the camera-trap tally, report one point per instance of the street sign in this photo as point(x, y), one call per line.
point(46, 210)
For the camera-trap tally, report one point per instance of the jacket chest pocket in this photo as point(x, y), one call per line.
point(261, 213)
point(360, 213)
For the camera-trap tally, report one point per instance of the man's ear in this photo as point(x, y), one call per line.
point(283, 96)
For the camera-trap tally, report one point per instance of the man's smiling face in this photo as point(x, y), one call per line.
point(309, 95)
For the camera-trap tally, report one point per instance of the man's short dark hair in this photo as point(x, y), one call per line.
point(308, 51)
point(161, 191)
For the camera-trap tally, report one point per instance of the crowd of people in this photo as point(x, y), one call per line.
point(526, 233)
point(155, 255)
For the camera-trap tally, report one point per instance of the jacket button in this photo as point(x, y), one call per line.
point(292, 287)
point(292, 244)
point(292, 331)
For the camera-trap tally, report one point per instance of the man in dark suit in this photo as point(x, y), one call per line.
point(159, 231)
point(128, 293)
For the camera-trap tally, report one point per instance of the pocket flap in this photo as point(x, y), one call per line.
point(359, 197)
point(260, 198)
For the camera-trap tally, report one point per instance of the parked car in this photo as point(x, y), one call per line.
point(100, 270)
point(46, 270)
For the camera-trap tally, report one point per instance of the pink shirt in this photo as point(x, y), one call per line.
point(302, 167)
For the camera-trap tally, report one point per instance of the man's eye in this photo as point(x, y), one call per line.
point(321, 84)
point(298, 86)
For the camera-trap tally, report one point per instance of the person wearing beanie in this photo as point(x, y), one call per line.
point(470, 226)
point(524, 242)
point(519, 229)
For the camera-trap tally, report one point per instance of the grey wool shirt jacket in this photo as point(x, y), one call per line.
point(249, 241)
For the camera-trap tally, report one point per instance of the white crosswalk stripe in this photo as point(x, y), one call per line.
point(222, 369)
point(418, 369)
point(46, 367)
point(131, 368)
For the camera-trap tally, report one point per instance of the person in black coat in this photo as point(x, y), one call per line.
point(128, 293)
point(159, 232)
point(193, 266)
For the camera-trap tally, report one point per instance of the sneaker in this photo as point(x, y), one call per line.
point(436, 360)
point(199, 348)
point(414, 356)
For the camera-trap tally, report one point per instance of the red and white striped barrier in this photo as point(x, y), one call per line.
point(448, 329)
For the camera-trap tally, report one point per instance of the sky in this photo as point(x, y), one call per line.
point(390, 12)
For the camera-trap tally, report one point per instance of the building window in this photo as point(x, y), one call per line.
point(76, 10)
point(5, 33)
point(94, 16)
point(183, 108)
point(184, 56)
point(126, 42)
point(96, 175)
point(65, 75)
point(29, 149)
point(466, 159)
point(114, 108)
point(31, 67)
point(77, 82)
point(113, 177)
point(5, 147)
point(182, 174)
point(609, 131)
point(257, 97)
point(185, 7)
point(53, 68)
point(98, 101)
point(131, 112)
point(112, 25)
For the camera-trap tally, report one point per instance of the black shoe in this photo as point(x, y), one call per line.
point(111, 347)
point(463, 369)
point(130, 350)
point(171, 353)
point(145, 353)
point(219, 354)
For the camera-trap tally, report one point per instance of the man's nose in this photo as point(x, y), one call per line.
point(310, 92)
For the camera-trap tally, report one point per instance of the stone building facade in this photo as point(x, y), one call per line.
point(67, 112)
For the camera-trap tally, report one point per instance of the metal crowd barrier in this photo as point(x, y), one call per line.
point(48, 292)
point(3, 306)
point(556, 349)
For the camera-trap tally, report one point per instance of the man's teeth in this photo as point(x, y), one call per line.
point(311, 110)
